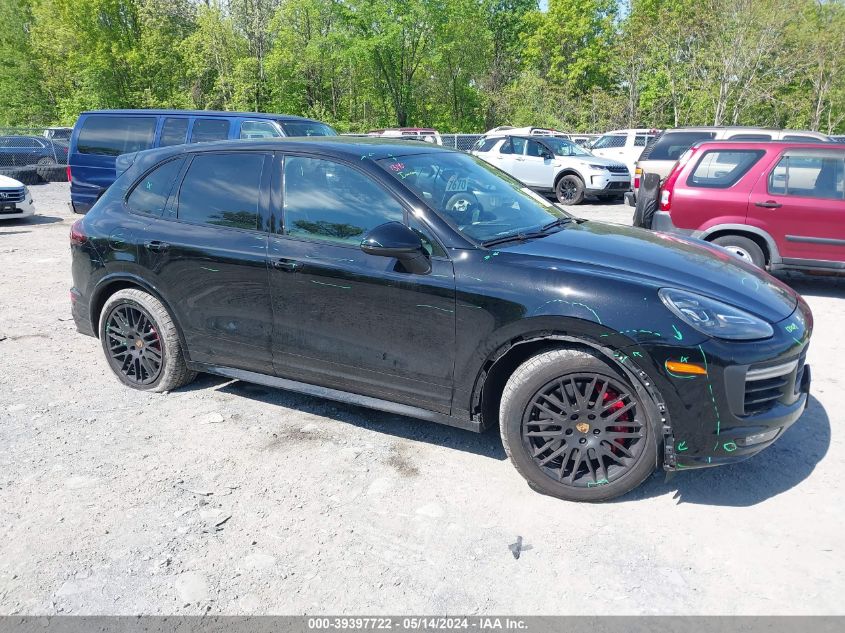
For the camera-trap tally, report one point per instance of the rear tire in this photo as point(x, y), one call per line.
point(570, 190)
point(575, 428)
point(141, 343)
point(744, 248)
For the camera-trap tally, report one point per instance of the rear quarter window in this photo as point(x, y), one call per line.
point(672, 145)
point(720, 169)
point(115, 135)
point(150, 194)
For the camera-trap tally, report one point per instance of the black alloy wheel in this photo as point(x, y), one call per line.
point(584, 430)
point(134, 345)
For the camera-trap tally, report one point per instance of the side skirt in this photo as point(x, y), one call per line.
point(339, 396)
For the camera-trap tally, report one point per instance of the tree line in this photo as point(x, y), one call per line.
point(457, 65)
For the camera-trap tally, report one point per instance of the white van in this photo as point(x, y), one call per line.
point(624, 146)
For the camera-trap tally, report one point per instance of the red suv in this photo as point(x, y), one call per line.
point(779, 205)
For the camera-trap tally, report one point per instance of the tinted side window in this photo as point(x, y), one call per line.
point(750, 137)
point(485, 144)
point(173, 132)
point(803, 139)
point(151, 193)
point(809, 176)
point(518, 145)
point(719, 169)
point(115, 135)
point(671, 145)
point(334, 202)
point(306, 128)
point(206, 130)
point(222, 189)
point(506, 147)
point(610, 140)
point(259, 129)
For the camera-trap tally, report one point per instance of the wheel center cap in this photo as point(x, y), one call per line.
point(583, 427)
point(139, 343)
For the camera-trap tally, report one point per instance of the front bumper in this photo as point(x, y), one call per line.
point(21, 209)
point(607, 183)
point(750, 393)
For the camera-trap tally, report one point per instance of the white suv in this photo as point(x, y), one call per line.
point(15, 199)
point(552, 164)
point(623, 145)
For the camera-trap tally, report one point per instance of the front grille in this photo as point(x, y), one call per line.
point(625, 185)
point(766, 386)
point(12, 195)
point(617, 169)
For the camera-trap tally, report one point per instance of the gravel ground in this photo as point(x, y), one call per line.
point(230, 498)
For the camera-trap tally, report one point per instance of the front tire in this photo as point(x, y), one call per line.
point(570, 190)
point(141, 343)
point(575, 428)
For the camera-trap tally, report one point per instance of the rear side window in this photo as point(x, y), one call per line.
point(809, 176)
point(750, 137)
point(803, 139)
point(150, 195)
point(610, 140)
point(720, 169)
point(306, 128)
point(331, 201)
point(259, 129)
point(222, 190)
point(116, 135)
point(207, 130)
point(485, 144)
point(173, 132)
point(671, 145)
point(513, 146)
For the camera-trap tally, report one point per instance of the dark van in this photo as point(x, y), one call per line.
point(100, 136)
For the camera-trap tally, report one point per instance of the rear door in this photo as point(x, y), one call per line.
point(533, 168)
point(348, 320)
point(207, 254)
point(715, 188)
point(800, 202)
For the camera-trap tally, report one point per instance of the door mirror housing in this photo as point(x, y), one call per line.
point(547, 155)
point(394, 239)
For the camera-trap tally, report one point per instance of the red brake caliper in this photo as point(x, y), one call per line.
point(609, 396)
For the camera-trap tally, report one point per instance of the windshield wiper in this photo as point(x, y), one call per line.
point(554, 223)
point(514, 237)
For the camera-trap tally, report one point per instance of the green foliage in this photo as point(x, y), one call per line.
point(458, 65)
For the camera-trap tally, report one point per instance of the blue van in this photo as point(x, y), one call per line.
point(100, 136)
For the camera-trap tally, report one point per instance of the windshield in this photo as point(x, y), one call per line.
point(563, 147)
point(306, 128)
point(480, 201)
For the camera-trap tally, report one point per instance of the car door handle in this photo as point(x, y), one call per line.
point(156, 245)
point(287, 265)
point(768, 204)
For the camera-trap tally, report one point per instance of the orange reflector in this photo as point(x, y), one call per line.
point(685, 368)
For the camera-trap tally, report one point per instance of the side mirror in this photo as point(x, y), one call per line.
point(547, 155)
point(394, 239)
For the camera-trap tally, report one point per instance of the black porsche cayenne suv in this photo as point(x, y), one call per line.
point(408, 278)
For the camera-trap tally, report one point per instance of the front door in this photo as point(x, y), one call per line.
point(801, 204)
point(208, 255)
point(348, 320)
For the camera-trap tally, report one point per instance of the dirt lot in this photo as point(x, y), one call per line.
point(230, 498)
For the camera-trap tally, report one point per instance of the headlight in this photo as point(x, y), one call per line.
point(599, 167)
point(714, 318)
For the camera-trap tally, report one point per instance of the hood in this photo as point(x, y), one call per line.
point(594, 159)
point(10, 183)
point(661, 261)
